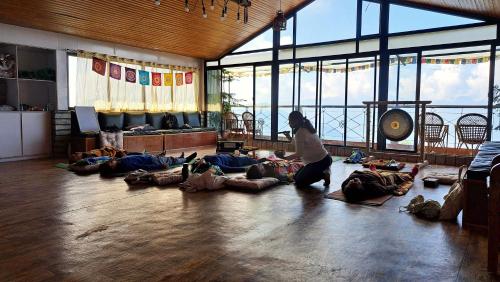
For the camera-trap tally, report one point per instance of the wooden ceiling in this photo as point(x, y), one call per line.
point(140, 23)
point(168, 28)
point(481, 8)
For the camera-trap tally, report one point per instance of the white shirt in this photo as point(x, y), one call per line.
point(309, 147)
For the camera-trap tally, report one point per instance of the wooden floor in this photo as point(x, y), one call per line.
point(56, 226)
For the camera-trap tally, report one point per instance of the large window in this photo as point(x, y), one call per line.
point(457, 84)
point(403, 18)
point(263, 41)
point(326, 20)
point(360, 88)
point(287, 96)
point(263, 101)
point(495, 133)
point(237, 89)
point(214, 99)
point(333, 77)
point(308, 90)
point(370, 16)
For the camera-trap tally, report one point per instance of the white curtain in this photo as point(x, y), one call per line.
point(109, 94)
point(185, 97)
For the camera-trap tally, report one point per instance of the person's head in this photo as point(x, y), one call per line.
point(256, 171)
point(297, 121)
point(354, 184)
point(108, 167)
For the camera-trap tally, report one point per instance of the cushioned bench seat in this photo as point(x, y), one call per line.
point(481, 165)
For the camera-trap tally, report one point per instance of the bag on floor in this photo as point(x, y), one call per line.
point(453, 201)
point(429, 209)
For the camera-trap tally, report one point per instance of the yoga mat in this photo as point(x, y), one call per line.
point(339, 196)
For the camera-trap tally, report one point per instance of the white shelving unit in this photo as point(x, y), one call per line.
point(27, 134)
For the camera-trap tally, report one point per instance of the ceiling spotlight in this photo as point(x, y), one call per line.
point(212, 6)
point(186, 5)
point(223, 15)
point(157, 2)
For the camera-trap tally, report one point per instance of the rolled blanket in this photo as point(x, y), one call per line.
point(166, 178)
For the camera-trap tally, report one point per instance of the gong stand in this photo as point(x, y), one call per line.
point(421, 125)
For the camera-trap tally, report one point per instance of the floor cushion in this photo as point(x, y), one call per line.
point(111, 139)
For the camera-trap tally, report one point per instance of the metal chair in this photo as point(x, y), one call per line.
point(436, 132)
point(471, 130)
point(232, 126)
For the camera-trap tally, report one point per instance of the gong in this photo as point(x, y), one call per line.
point(396, 125)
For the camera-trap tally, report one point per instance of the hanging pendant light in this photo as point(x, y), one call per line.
point(204, 11)
point(212, 6)
point(280, 20)
point(186, 5)
point(245, 4)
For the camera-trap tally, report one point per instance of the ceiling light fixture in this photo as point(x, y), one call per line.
point(245, 4)
point(157, 2)
point(280, 20)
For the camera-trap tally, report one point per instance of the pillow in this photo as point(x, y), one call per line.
point(155, 119)
point(193, 119)
point(180, 118)
point(243, 183)
point(134, 119)
point(442, 177)
point(111, 120)
point(111, 139)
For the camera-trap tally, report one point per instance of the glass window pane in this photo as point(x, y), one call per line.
point(286, 97)
point(360, 88)
point(286, 36)
point(326, 20)
point(370, 18)
point(237, 91)
point(307, 100)
point(403, 18)
point(333, 101)
point(402, 87)
point(263, 102)
point(214, 106)
point(456, 85)
point(262, 41)
point(495, 134)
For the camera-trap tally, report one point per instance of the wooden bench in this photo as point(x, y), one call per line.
point(494, 215)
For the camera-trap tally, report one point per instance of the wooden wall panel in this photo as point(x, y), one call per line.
point(142, 24)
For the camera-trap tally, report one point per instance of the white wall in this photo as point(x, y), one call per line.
point(60, 42)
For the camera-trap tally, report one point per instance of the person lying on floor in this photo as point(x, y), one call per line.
point(283, 170)
point(367, 184)
point(103, 152)
point(144, 161)
point(228, 163)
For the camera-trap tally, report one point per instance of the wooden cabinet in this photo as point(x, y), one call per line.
point(188, 140)
point(10, 134)
point(36, 133)
point(25, 134)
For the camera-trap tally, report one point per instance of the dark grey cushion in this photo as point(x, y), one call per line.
point(193, 119)
point(111, 120)
point(135, 119)
point(180, 118)
point(155, 120)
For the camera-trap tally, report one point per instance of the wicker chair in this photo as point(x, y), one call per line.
point(471, 130)
point(232, 126)
point(248, 121)
point(436, 132)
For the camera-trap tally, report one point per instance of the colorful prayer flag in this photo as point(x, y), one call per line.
point(156, 78)
point(189, 77)
point(144, 77)
point(130, 75)
point(115, 71)
point(179, 79)
point(167, 79)
point(99, 66)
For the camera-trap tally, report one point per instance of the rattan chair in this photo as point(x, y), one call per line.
point(232, 126)
point(436, 132)
point(248, 121)
point(471, 130)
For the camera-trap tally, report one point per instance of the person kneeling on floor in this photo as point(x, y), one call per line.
point(367, 184)
point(144, 161)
